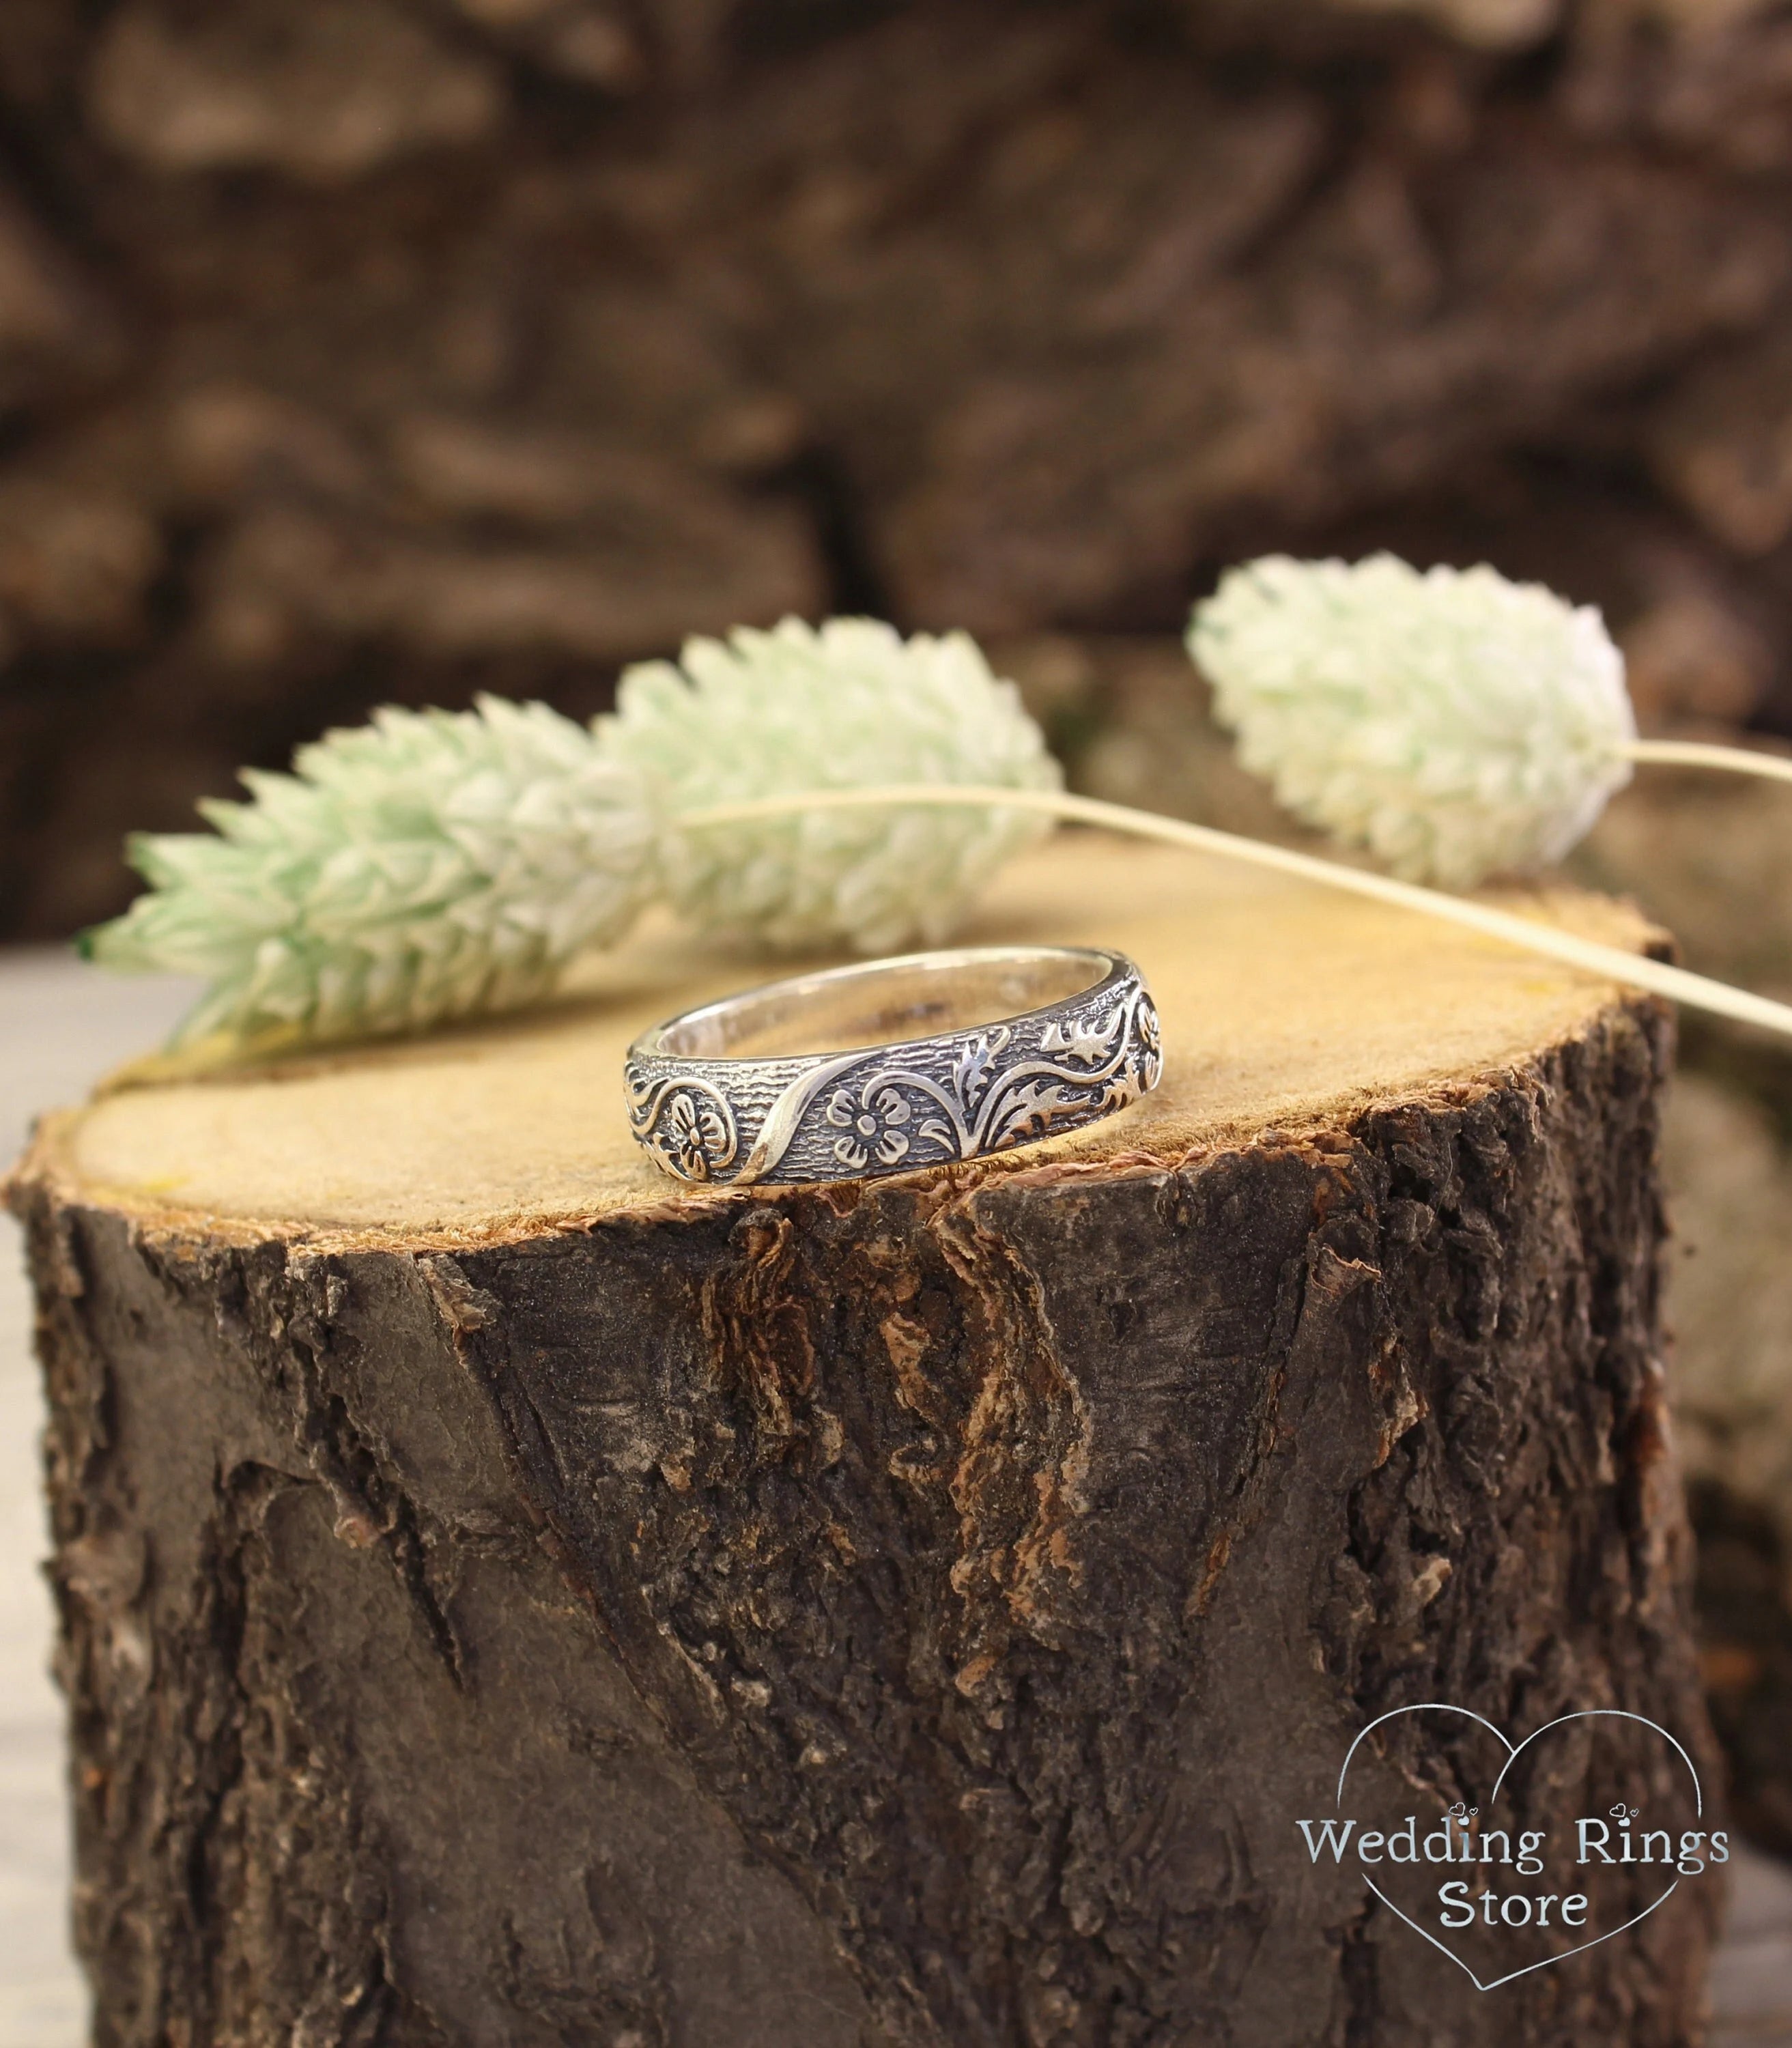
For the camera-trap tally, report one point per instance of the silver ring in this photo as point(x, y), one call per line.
point(894, 1065)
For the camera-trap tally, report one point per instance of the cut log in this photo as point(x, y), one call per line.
point(508, 1598)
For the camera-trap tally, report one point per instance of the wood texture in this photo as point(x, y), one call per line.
point(908, 1613)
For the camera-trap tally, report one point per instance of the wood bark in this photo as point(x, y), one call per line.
point(912, 1612)
point(1133, 724)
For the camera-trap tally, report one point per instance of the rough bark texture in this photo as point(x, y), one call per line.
point(361, 349)
point(1703, 854)
point(1730, 1308)
point(912, 1614)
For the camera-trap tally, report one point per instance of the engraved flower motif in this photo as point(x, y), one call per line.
point(697, 1139)
point(871, 1124)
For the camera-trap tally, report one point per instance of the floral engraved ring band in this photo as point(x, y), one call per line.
point(893, 1065)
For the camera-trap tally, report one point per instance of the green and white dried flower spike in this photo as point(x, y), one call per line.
point(435, 865)
point(808, 786)
point(429, 865)
point(1454, 723)
point(848, 705)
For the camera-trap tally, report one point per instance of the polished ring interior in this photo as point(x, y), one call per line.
point(894, 1065)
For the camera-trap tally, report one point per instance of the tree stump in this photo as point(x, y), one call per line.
point(508, 1599)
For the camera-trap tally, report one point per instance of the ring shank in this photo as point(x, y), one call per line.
point(922, 1060)
point(884, 1003)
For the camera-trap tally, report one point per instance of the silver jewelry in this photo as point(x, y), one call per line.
point(894, 1065)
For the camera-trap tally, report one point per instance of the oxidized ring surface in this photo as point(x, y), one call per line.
point(894, 1064)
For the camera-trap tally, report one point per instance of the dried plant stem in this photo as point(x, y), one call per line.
point(1697, 754)
point(1609, 963)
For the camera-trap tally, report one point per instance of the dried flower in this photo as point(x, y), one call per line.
point(849, 703)
point(1456, 724)
point(426, 867)
point(436, 864)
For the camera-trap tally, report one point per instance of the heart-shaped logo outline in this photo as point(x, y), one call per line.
point(1513, 1752)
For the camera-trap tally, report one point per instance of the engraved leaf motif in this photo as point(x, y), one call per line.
point(1124, 1088)
point(974, 1068)
point(1082, 1043)
point(1036, 1103)
point(1149, 1040)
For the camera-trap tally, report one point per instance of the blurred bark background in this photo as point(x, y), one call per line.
point(354, 350)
